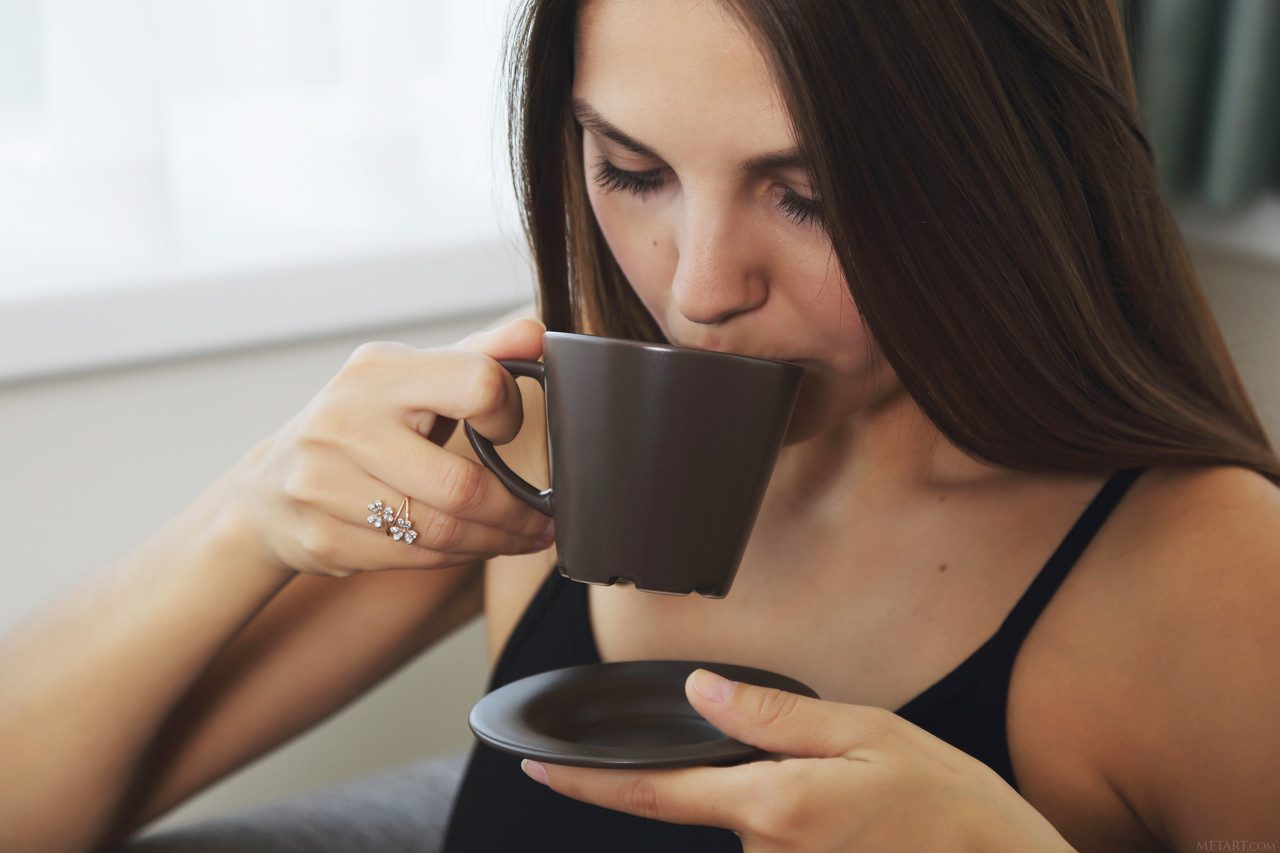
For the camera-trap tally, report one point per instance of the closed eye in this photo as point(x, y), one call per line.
point(612, 179)
point(801, 210)
point(798, 208)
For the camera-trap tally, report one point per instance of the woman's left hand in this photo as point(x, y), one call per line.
point(856, 779)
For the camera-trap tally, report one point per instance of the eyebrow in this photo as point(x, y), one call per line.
point(587, 116)
point(596, 123)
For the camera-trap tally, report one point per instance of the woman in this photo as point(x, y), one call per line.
point(1015, 406)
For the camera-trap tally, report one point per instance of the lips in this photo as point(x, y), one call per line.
point(722, 346)
point(744, 351)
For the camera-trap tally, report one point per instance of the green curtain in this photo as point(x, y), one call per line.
point(1208, 74)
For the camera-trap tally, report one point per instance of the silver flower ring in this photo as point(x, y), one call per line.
point(394, 523)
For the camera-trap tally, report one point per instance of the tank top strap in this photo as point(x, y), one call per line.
point(1024, 614)
point(554, 631)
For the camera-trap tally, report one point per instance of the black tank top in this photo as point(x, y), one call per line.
point(498, 808)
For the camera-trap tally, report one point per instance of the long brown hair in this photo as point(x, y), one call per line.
point(994, 206)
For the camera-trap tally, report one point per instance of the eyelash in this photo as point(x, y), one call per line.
point(801, 210)
point(612, 179)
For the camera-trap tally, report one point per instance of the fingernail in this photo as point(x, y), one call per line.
point(549, 532)
point(712, 687)
point(534, 771)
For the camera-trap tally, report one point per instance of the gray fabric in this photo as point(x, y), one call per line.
point(403, 810)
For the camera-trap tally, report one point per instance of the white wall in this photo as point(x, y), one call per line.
point(90, 463)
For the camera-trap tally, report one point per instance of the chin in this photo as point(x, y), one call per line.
point(828, 401)
point(812, 414)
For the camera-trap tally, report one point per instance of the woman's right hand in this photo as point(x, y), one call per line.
point(223, 651)
point(375, 432)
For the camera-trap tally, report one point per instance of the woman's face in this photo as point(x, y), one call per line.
point(695, 178)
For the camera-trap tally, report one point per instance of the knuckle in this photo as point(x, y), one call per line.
point(878, 724)
point(320, 432)
point(318, 541)
point(441, 530)
point(486, 388)
point(302, 487)
point(641, 798)
point(296, 488)
point(461, 485)
point(327, 423)
point(773, 706)
point(368, 366)
point(374, 353)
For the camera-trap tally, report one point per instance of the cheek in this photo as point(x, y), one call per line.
point(640, 244)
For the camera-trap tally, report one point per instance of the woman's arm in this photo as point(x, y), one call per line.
point(204, 647)
point(1194, 665)
point(162, 675)
point(318, 645)
point(86, 684)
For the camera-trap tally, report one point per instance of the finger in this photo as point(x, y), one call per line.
point(449, 492)
point(781, 722)
point(520, 338)
point(324, 545)
point(344, 549)
point(339, 488)
point(704, 796)
point(431, 530)
point(464, 382)
point(422, 386)
point(348, 549)
point(341, 540)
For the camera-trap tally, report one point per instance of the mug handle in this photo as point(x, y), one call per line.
point(517, 485)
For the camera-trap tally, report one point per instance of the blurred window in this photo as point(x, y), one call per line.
point(155, 140)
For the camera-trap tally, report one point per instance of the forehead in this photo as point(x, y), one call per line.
point(684, 65)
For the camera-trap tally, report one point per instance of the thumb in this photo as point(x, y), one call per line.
point(520, 338)
point(775, 720)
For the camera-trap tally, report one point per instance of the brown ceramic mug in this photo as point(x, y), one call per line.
point(660, 457)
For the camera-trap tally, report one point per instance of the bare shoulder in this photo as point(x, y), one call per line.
point(1186, 506)
point(1197, 547)
point(1193, 630)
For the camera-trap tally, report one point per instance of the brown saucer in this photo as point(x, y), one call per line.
point(628, 714)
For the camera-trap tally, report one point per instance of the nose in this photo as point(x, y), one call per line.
point(721, 270)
